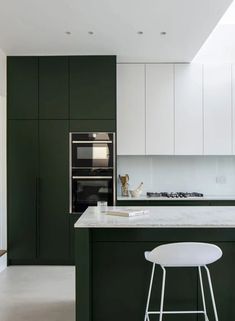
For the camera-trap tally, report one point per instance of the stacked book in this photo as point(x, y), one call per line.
point(127, 212)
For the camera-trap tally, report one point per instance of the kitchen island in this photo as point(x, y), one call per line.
point(112, 276)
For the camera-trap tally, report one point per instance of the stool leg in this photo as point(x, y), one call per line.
point(212, 293)
point(163, 292)
point(146, 317)
point(202, 292)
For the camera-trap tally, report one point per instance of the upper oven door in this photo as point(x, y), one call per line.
point(88, 153)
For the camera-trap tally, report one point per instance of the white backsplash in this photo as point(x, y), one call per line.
point(210, 175)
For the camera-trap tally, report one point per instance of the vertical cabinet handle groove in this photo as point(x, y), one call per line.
point(37, 216)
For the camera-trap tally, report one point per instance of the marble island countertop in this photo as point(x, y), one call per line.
point(163, 217)
point(204, 198)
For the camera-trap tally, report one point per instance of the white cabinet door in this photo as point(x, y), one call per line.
point(188, 109)
point(217, 110)
point(130, 109)
point(159, 109)
point(233, 107)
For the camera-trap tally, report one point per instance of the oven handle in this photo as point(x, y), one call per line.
point(92, 177)
point(91, 142)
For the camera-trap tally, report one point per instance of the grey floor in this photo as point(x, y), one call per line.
point(37, 293)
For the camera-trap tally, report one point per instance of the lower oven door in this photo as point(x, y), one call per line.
point(88, 190)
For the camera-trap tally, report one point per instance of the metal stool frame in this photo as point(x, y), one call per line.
point(161, 312)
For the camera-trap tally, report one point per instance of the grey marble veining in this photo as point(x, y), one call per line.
point(163, 217)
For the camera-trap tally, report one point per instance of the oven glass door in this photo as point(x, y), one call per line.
point(92, 155)
point(88, 191)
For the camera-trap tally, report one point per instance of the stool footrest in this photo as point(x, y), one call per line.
point(176, 312)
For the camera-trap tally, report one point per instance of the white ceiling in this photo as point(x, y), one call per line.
point(37, 27)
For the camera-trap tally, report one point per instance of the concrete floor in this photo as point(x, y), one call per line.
point(37, 293)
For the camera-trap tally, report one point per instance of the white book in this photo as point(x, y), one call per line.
point(127, 212)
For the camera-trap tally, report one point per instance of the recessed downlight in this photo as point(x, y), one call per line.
point(163, 33)
point(140, 32)
point(68, 32)
point(90, 32)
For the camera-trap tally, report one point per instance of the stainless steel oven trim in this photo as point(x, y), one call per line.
point(92, 177)
point(92, 167)
point(70, 166)
point(94, 132)
point(91, 142)
point(70, 174)
point(114, 169)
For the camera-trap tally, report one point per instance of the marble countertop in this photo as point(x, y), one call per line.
point(204, 198)
point(163, 217)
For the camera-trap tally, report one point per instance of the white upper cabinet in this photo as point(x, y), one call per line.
point(181, 109)
point(233, 107)
point(159, 109)
point(217, 110)
point(188, 109)
point(130, 109)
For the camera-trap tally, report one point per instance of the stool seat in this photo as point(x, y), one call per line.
point(184, 254)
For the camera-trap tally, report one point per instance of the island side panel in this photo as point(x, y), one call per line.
point(114, 276)
point(121, 275)
point(121, 278)
point(83, 260)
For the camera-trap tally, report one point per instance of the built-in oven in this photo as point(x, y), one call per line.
point(92, 150)
point(92, 170)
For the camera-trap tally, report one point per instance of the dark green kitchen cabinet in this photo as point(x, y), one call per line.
point(22, 87)
point(53, 87)
point(92, 87)
point(102, 125)
point(22, 189)
point(39, 229)
point(43, 94)
point(58, 87)
point(54, 222)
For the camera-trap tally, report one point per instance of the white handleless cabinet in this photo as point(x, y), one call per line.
point(159, 109)
point(188, 109)
point(233, 107)
point(130, 109)
point(217, 110)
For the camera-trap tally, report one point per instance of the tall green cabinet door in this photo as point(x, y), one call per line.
point(22, 87)
point(54, 225)
point(53, 88)
point(93, 87)
point(22, 189)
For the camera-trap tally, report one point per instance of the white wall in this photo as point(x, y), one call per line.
point(3, 236)
point(211, 175)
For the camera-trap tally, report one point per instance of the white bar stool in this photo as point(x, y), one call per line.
point(186, 254)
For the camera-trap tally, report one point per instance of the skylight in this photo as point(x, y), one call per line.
point(220, 45)
point(229, 16)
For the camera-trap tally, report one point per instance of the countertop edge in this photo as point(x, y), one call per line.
point(160, 217)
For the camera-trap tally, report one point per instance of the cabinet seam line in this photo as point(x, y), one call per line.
point(174, 109)
point(232, 111)
point(38, 172)
point(203, 114)
point(145, 109)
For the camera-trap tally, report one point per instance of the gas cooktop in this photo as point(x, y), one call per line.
point(174, 194)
